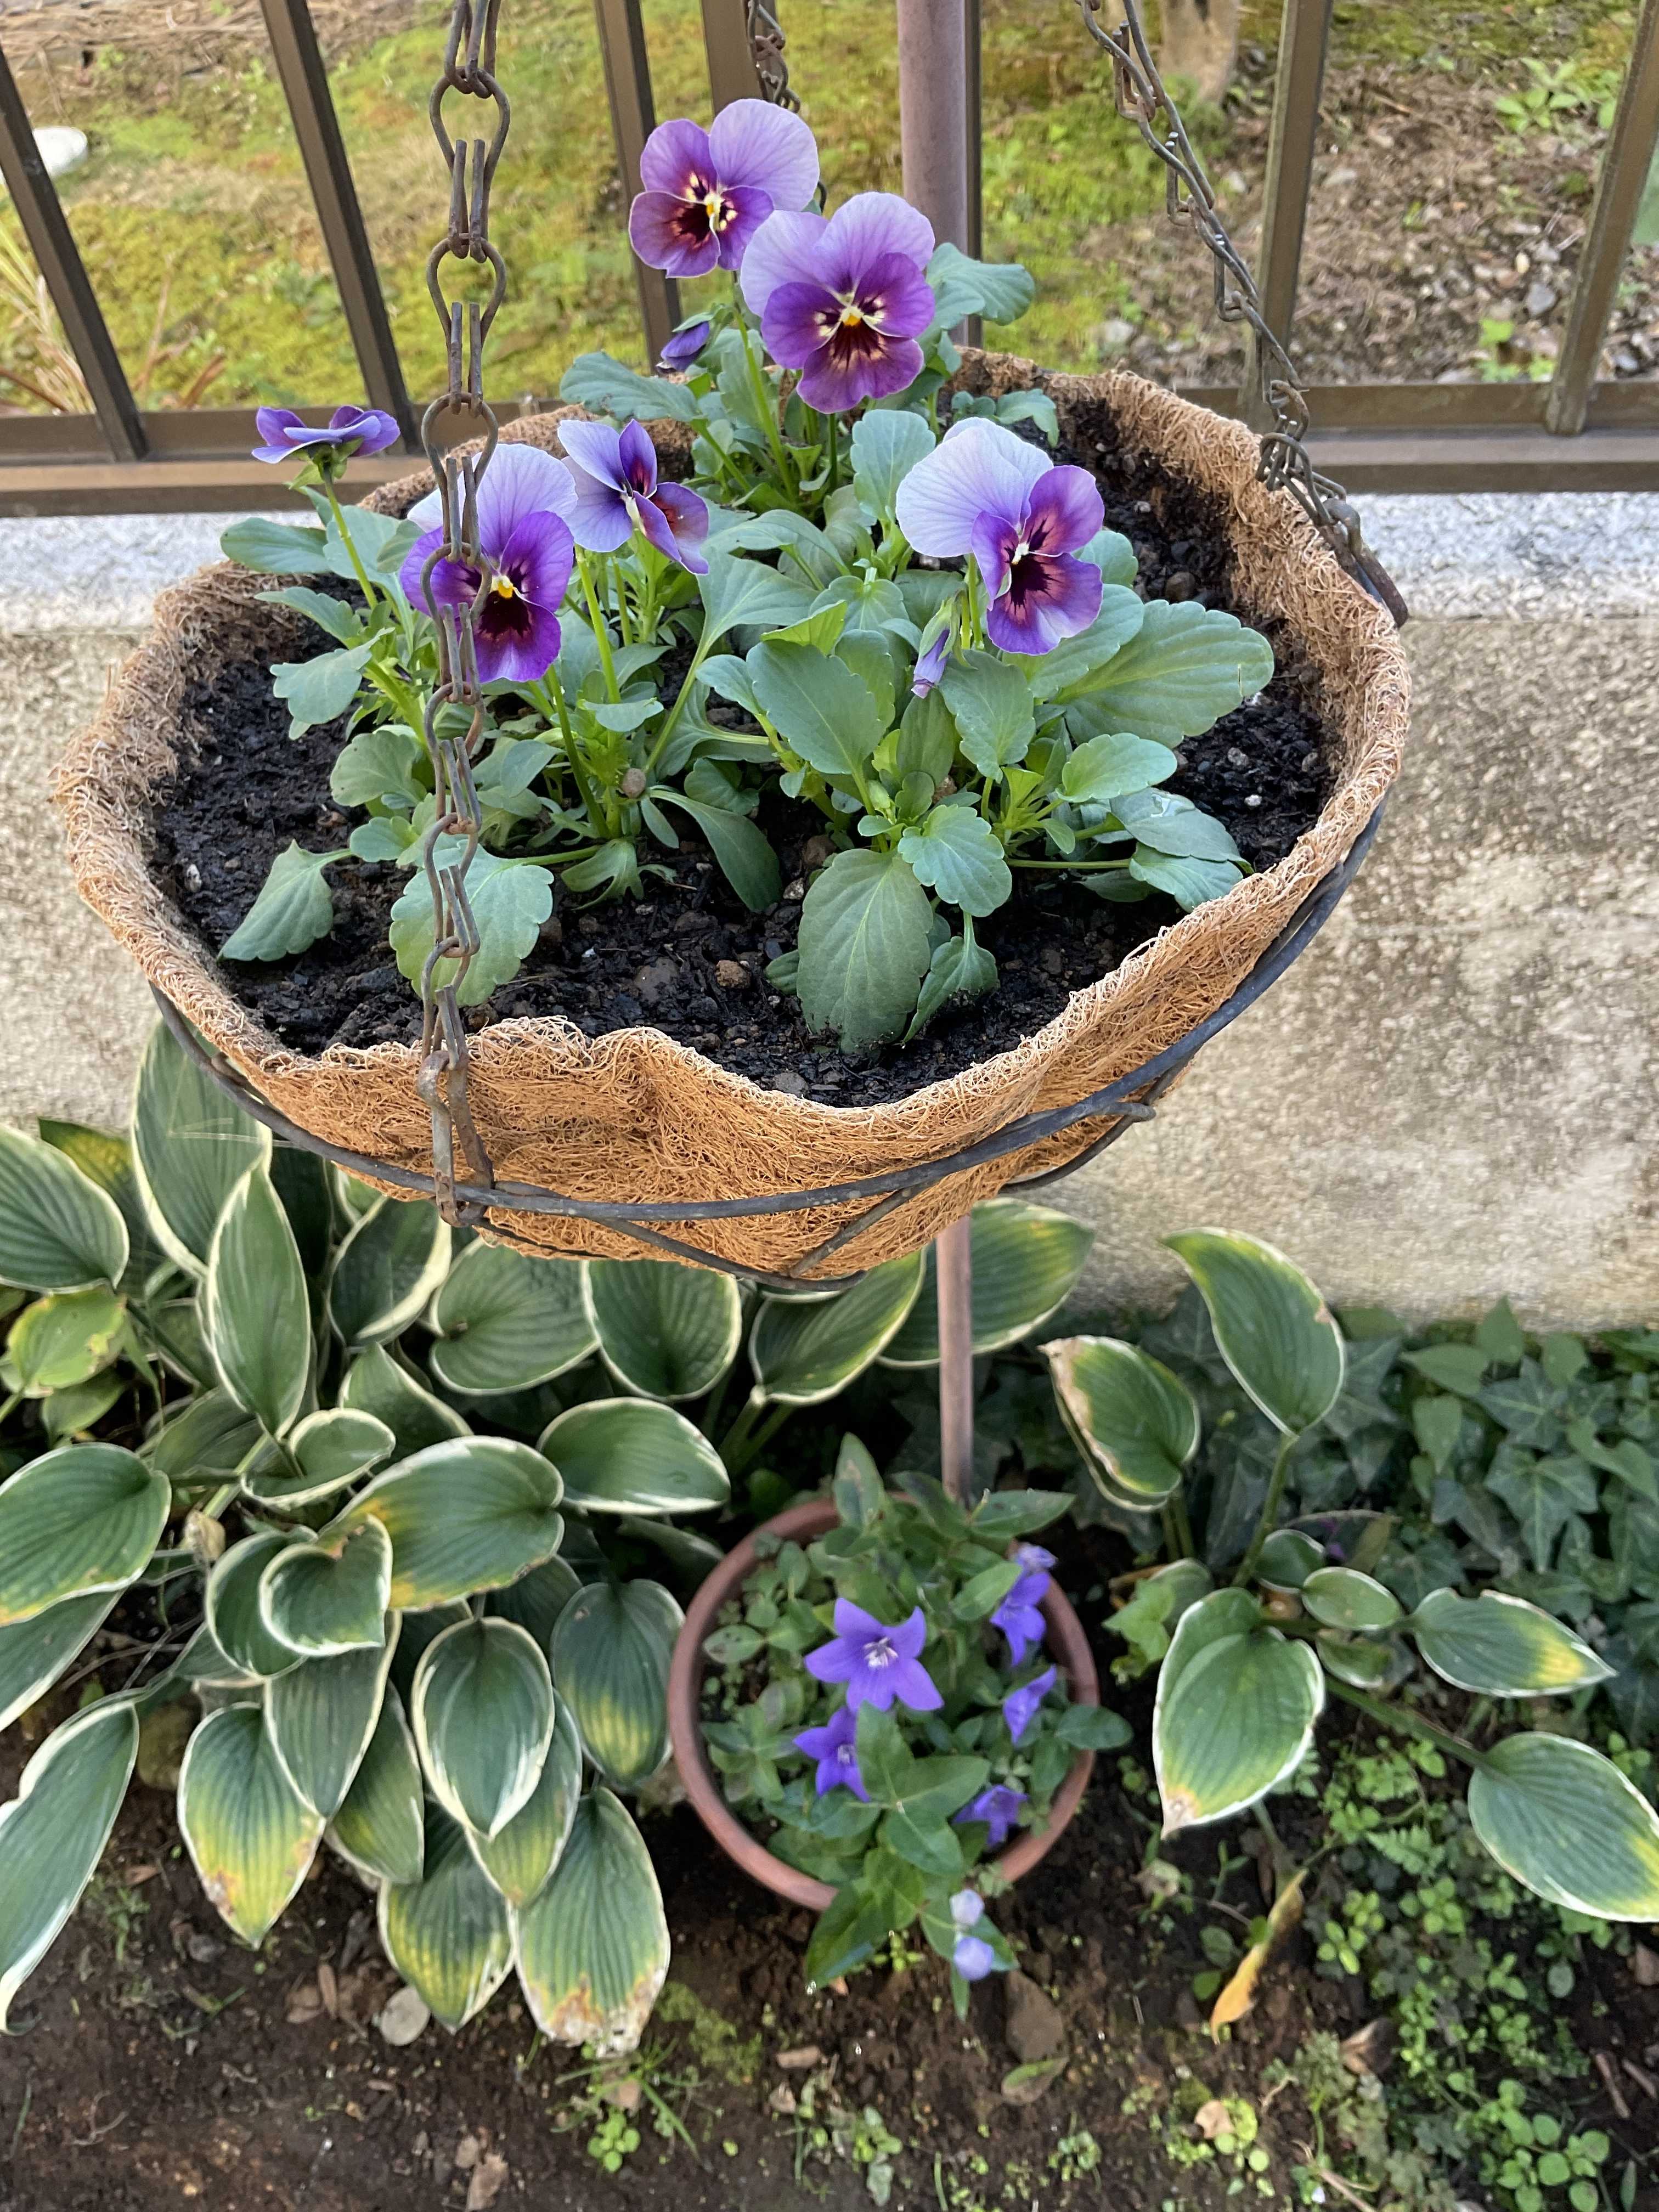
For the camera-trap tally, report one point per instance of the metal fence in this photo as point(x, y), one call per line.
point(1573, 432)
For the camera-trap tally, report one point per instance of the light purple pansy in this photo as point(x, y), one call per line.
point(707, 192)
point(684, 346)
point(878, 1664)
point(525, 498)
point(984, 491)
point(351, 430)
point(844, 301)
point(998, 1808)
point(930, 665)
point(972, 1957)
point(617, 492)
point(1018, 1616)
point(835, 1747)
point(1019, 1707)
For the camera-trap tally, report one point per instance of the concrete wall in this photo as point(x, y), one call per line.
point(1451, 1097)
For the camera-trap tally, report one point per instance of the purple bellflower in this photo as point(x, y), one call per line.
point(844, 301)
point(1019, 1707)
point(707, 192)
point(617, 492)
point(930, 665)
point(985, 492)
point(835, 1748)
point(524, 500)
point(878, 1664)
point(1018, 1616)
point(973, 1957)
point(998, 1808)
point(684, 346)
point(351, 430)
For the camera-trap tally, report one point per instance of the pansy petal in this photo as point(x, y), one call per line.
point(521, 480)
point(661, 232)
point(780, 253)
point(658, 530)
point(753, 142)
point(896, 297)
point(636, 459)
point(595, 449)
point(686, 517)
point(838, 376)
point(683, 349)
point(1065, 601)
point(676, 154)
point(453, 582)
point(743, 209)
point(1065, 510)
point(794, 321)
point(272, 422)
point(538, 557)
point(604, 519)
point(866, 228)
point(979, 469)
point(993, 545)
point(522, 653)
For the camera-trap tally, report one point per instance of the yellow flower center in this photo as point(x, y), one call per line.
point(503, 588)
point(851, 315)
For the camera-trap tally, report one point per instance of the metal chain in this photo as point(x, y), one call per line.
point(1285, 464)
point(766, 44)
point(454, 716)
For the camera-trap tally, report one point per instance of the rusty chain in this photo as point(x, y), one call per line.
point(766, 45)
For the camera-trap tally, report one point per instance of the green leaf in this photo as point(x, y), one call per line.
point(1288, 1558)
point(250, 1834)
point(504, 1321)
point(886, 447)
point(634, 1456)
point(521, 1855)
point(865, 946)
point(664, 1331)
point(1437, 1422)
point(982, 1593)
point(329, 1596)
point(1501, 1647)
point(64, 1339)
point(1061, 672)
point(381, 543)
point(481, 1711)
point(1625, 1459)
point(1564, 1820)
point(1026, 1262)
point(1272, 1326)
point(323, 1454)
point(255, 1311)
point(1187, 834)
point(385, 1271)
point(231, 1603)
point(991, 703)
point(190, 1147)
point(377, 1383)
point(466, 1516)
point(294, 908)
point(1456, 1367)
point(594, 380)
point(1113, 766)
point(745, 856)
point(52, 1833)
point(1189, 883)
point(83, 1518)
point(847, 1933)
point(106, 1161)
point(748, 594)
point(1134, 1423)
point(1007, 1514)
point(58, 1230)
point(510, 900)
point(537, 1599)
point(1185, 667)
point(927, 1842)
point(380, 766)
point(1235, 1713)
point(1527, 1406)
point(381, 1826)
point(1093, 1728)
point(1543, 1494)
point(448, 1933)
point(274, 548)
point(823, 710)
point(1500, 1336)
point(804, 1351)
point(610, 1655)
point(593, 1948)
point(1003, 289)
point(33, 1653)
point(956, 853)
point(321, 1715)
point(961, 969)
point(319, 690)
point(1342, 1599)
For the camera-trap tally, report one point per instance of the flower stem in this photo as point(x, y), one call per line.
point(369, 593)
point(1178, 1529)
point(599, 816)
point(1268, 1519)
point(1070, 868)
point(1405, 1722)
point(763, 401)
point(601, 628)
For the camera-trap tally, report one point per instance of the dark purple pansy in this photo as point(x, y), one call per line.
point(684, 346)
point(707, 192)
point(998, 1808)
point(617, 492)
point(985, 492)
point(1019, 1707)
point(525, 497)
point(844, 301)
point(835, 1747)
point(350, 431)
point(878, 1663)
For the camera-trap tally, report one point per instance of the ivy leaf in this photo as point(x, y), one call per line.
point(318, 690)
point(822, 708)
point(746, 858)
point(961, 968)
point(1527, 1406)
point(274, 548)
point(596, 381)
point(510, 901)
point(1543, 1497)
point(294, 908)
point(1185, 667)
point(992, 703)
point(864, 946)
point(958, 854)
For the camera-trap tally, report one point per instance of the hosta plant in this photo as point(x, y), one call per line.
point(874, 596)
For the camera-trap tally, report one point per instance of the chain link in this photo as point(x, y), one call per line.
point(766, 44)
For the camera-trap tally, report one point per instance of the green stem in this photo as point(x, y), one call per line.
point(829, 423)
point(601, 628)
point(738, 1435)
point(674, 712)
point(1178, 1529)
point(10, 1406)
point(1070, 867)
point(1407, 1722)
point(763, 401)
point(1268, 1519)
point(369, 592)
point(550, 689)
point(758, 1440)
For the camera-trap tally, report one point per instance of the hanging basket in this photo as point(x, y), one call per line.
point(583, 1132)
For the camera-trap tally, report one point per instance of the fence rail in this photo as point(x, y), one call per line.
point(1573, 432)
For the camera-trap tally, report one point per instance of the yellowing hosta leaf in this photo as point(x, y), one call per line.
point(58, 1230)
point(1342, 1599)
point(519, 1858)
point(449, 1934)
point(52, 1833)
point(466, 1516)
point(1238, 1996)
point(504, 1321)
point(1235, 1711)
point(803, 1352)
point(251, 1834)
point(1270, 1325)
point(321, 1454)
point(330, 1595)
point(321, 1715)
point(1027, 1260)
point(387, 1270)
point(232, 1606)
point(1500, 1646)
point(381, 1827)
point(1564, 1821)
point(190, 1147)
point(610, 1655)
point(33, 1653)
point(377, 1383)
point(593, 1948)
point(1134, 1423)
point(83, 1518)
point(254, 1310)
point(483, 1716)
point(664, 1330)
point(65, 1338)
point(632, 1455)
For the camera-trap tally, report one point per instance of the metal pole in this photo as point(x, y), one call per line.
point(933, 59)
point(953, 1258)
point(633, 118)
point(731, 71)
point(1304, 37)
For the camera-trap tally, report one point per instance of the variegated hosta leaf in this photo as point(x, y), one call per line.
point(52, 1833)
point(593, 1948)
point(504, 1321)
point(321, 1454)
point(633, 1456)
point(465, 1516)
point(377, 1383)
point(449, 1934)
point(519, 1858)
point(1235, 1713)
point(387, 1270)
point(1288, 1558)
point(254, 1310)
point(415, 1632)
point(803, 1352)
point(537, 1599)
point(1340, 1598)
point(664, 1331)
point(251, 1834)
point(1272, 1326)
point(64, 1339)
point(1135, 1425)
point(206, 1443)
point(1499, 1646)
point(321, 1715)
point(58, 1230)
point(1027, 1260)
point(332, 1595)
point(33, 1653)
point(1366, 1662)
point(83, 1518)
point(610, 1655)
point(190, 1147)
point(381, 1826)
point(1564, 1821)
point(232, 1606)
point(482, 1716)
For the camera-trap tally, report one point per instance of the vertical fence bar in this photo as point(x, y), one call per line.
point(46, 227)
point(1618, 191)
point(303, 76)
point(1293, 138)
point(933, 112)
point(953, 1257)
point(731, 71)
point(974, 60)
point(633, 118)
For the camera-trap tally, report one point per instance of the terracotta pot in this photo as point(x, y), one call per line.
point(1066, 1642)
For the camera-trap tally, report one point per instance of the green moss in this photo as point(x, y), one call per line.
point(714, 2042)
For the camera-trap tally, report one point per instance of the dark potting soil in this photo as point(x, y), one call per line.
point(688, 958)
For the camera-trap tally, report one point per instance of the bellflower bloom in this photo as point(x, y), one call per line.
point(351, 430)
point(707, 192)
point(1019, 1707)
point(617, 492)
point(524, 500)
point(684, 346)
point(973, 1957)
point(984, 491)
point(835, 1748)
point(844, 301)
point(1018, 1616)
point(998, 1808)
point(878, 1663)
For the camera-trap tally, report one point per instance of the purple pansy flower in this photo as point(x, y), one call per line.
point(684, 346)
point(1019, 1707)
point(614, 474)
point(998, 1808)
point(930, 665)
point(1018, 1616)
point(985, 492)
point(878, 1663)
point(707, 192)
point(973, 1957)
point(844, 301)
point(525, 497)
point(351, 430)
point(835, 1748)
